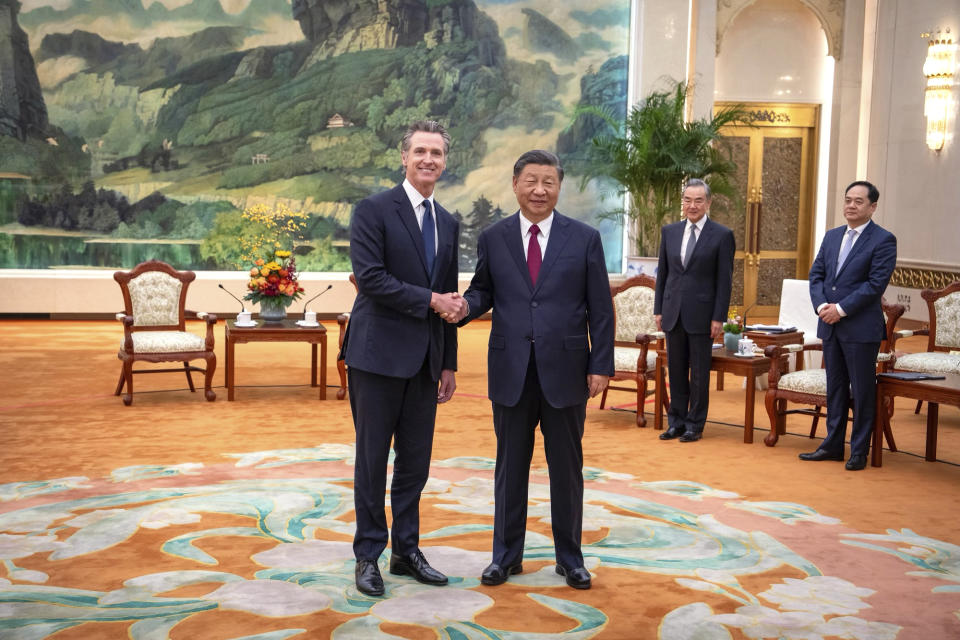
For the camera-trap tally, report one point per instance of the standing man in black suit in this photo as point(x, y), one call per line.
point(551, 346)
point(847, 281)
point(401, 356)
point(694, 278)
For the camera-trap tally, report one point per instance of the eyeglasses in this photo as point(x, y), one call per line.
point(696, 201)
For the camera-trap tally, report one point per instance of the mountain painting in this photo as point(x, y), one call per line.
point(138, 129)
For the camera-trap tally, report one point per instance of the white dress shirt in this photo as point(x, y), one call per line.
point(417, 200)
point(686, 234)
point(545, 225)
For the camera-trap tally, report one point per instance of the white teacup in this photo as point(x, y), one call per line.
point(745, 347)
point(243, 317)
point(310, 317)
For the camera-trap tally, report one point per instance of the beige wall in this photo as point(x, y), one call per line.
point(920, 188)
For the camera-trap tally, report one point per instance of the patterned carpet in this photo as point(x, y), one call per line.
point(258, 546)
point(184, 519)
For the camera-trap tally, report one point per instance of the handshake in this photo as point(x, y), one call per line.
point(452, 307)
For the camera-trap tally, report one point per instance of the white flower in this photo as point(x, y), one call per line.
point(12, 547)
point(819, 594)
point(763, 622)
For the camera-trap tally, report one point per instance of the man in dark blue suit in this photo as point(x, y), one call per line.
point(694, 277)
point(847, 281)
point(404, 252)
point(551, 346)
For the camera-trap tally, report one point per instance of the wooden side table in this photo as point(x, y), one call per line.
point(934, 392)
point(721, 362)
point(285, 331)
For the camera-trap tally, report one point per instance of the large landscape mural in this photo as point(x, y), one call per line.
point(136, 129)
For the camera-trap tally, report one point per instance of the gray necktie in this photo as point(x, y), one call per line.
point(691, 243)
point(845, 249)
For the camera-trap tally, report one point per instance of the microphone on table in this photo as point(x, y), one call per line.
point(329, 286)
point(242, 308)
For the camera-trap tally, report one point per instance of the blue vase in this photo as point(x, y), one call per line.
point(272, 309)
point(730, 341)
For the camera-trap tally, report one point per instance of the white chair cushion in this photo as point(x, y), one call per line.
point(625, 358)
point(947, 309)
point(166, 342)
point(929, 362)
point(155, 297)
point(812, 381)
point(634, 311)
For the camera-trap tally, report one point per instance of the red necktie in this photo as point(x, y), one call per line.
point(534, 257)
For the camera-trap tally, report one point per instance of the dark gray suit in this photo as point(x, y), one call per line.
point(544, 341)
point(395, 348)
point(689, 299)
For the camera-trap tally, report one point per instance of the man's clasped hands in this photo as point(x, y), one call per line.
point(452, 307)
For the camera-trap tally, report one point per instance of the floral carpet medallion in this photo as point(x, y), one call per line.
point(266, 537)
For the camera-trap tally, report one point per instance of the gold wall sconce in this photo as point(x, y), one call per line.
point(938, 68)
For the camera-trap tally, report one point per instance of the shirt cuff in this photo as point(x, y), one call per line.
point(820, 308)
point(840, 310)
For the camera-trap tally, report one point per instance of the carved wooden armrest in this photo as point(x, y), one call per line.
point(127, 332)
point(773, 352)
point(906, 333)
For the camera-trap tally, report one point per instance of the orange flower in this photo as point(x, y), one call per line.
point(254, 272)
point(258, 262)
point(273, 279)
point(283, 273)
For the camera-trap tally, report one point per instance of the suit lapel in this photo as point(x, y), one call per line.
point(514, 244)
point(409, 220)
point(444, 237)
point(861, 241)
point(559, 234)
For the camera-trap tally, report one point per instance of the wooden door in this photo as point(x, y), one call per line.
point(773, 217)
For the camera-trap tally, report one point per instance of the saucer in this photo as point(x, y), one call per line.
point(746, 355)
point(245, 324)
point(304, 323)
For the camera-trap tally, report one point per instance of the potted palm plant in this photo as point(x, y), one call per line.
point(654, 151)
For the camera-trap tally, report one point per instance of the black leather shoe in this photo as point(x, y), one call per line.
point(578, 578)
point(819, 455)
point(673, 432)
point(856, 463)
point(414, 564)
point(494, 574)
point(691, 436)
point(368, 578)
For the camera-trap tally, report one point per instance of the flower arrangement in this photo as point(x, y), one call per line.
point(734, 323)
point(267, 236)
point(276, 279)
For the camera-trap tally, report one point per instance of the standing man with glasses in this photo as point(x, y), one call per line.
point(551, 347)
point(694, 278)
point(401, 355)
point(847, 281)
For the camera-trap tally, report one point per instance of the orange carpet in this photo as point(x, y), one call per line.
point(180, 518)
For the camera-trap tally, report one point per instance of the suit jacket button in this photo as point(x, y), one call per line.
point(833, 288)
point(534, 304)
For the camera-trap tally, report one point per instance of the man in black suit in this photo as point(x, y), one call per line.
point(694, 278)
point(847, 281)
point(404, 252)
point(551, 346)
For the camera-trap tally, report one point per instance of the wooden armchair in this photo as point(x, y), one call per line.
point(342, 320)
point(635, 330)
point(809, 386)
point(943, 335)
point(153, 317)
